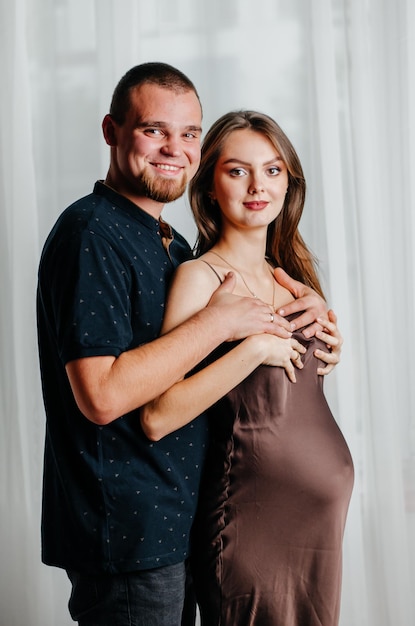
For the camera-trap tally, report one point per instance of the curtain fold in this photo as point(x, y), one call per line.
point(339, 76)
point(21, 412)
point(336, 201)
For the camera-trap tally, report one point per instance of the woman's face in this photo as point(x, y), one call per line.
point(250, 181)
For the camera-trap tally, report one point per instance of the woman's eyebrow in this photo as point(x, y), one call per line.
point(235, 160)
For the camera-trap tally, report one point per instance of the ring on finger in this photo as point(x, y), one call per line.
point(272, 317)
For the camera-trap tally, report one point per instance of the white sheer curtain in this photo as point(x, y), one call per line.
point(339, 76)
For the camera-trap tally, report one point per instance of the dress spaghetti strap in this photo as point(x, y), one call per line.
point(213, 270)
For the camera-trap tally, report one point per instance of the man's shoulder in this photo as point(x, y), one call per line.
point(69, 230)
point(92, 210)
point(91, 206)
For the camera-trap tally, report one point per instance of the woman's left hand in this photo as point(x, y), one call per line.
point(334, 341)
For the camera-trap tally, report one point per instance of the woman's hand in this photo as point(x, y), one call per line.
point(279, 352)
point(334, 341)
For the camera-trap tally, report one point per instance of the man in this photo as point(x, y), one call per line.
point(117, 508)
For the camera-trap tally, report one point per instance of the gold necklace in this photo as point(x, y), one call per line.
point(253, 294)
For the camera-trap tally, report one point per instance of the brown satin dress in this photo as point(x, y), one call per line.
point(267, 542)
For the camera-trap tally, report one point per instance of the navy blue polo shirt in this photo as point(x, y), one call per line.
point(113, 501)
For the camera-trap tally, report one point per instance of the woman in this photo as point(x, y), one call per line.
point(268, 535)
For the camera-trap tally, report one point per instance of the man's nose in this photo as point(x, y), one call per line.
point(171, 147)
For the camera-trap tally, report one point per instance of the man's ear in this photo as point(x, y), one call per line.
point(108, 129)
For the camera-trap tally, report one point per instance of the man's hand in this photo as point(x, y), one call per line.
point(315, 319)
point(306, 300)
point(334, 341)
point(241, 316)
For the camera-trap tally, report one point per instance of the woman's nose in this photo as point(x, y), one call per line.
point(255, 187)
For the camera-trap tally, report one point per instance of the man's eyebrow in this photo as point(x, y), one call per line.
point(234, 160)
point(143, 123)
point(158, 124)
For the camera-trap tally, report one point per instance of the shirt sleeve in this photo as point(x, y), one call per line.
point(91, 298)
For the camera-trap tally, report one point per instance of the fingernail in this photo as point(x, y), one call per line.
point(281, 312)
point(292, 326)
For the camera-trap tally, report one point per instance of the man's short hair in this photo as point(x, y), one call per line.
point(155, 73)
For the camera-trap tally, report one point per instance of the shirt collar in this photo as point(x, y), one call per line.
point(132, 209)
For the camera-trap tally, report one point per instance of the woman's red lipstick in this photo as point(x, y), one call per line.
point(256, 205)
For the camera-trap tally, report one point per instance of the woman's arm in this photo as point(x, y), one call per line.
point(191, 290)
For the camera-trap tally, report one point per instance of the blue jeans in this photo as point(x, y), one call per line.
point(144, 598)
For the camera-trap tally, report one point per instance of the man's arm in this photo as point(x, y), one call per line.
point(106, 387)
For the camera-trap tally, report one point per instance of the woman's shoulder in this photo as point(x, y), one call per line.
point(199, 269)
point(190, 291)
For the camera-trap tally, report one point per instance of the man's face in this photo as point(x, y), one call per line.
point(156, 151)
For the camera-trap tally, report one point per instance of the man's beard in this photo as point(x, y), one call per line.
point(162, 189)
